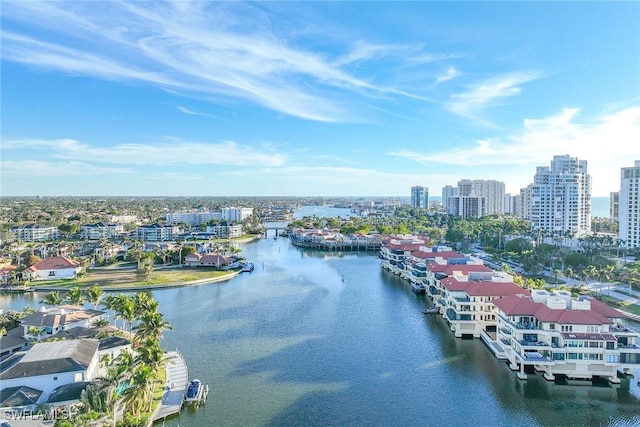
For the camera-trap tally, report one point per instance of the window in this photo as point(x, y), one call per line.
point(55, 378)
point(52, 273)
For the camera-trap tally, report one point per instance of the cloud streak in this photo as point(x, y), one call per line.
point(205, 49)
point(487, 93)
point(173, 152)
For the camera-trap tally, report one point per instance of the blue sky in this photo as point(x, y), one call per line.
point(312, 98)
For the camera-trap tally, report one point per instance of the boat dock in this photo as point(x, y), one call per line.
point(177, 382)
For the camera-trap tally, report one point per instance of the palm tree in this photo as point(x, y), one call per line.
point(151, 354)
point(94, 295)
point(52, 298)
point(75, 296)
point(144, 304)
point(126, 311)
point(151, 325)
point(138, 396)
point(589, 272)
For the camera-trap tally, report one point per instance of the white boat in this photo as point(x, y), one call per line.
point(194, 391)
point(430, 311)
point(247, 268)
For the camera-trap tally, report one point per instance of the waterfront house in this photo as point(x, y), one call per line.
point(211, 260)
point(48, 322)
point(53, 268)
point(48, 365)
point(556, 334)
point(395, 251)
point(468, 301)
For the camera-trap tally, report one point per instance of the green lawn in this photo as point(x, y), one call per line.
point(132, 278)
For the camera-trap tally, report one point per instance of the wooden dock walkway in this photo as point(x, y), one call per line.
point(178, 381)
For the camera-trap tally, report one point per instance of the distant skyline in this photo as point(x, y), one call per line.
point(312, 98)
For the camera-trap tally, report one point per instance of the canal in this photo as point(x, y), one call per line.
point(315, 339)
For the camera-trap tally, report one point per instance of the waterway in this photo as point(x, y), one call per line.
point(315, 339)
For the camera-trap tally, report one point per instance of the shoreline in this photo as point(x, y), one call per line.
point(116, 288)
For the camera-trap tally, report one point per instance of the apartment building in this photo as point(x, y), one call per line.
point(556, 334)
point(100, 230)
point(225, 231)
point(447, 192)
point(157, 232)
point(419, 197)
point(629, 212)
point(35, 233)
point(476, 198)
point(559, 199)
point(614, 206)
point(201, 217)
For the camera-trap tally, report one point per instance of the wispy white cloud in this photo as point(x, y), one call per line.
point(36, 168)
point(487, 93)
point(172, 152)
point(449, 74)
point(206, 49)
point(607, 142)
point(196, 113)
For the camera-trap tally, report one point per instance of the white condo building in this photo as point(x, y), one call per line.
point(614, 206)
point(476, 198)
point(447, 192)
point(200, 217)
point(420, 197)
point(559, 200)
point(629, 202)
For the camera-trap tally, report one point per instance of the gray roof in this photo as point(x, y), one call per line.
point(11, 341)
point(67, 392)
point(59, 317)
point(50, 358)
point(19, 396)
point(113, 342)
point(12, 338)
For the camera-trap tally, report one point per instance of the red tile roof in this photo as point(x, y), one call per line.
point(588, 336)
point(604, 309)
point(54, 263)
point(524, 306)
point(434, 255)
point(483, 289)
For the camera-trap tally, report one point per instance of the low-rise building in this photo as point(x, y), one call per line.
point(225, 231)
point(48, 322)
point(35, 233)
point(49, 365)
point(157, 232)
point(101, 230)
point(52, 268)
point(557, 334)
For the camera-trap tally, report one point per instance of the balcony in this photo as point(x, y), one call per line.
point(531, 356)
point(462, 299)
point(525, 343)
point(453, 316)
point(505, 341)
point(505, 331)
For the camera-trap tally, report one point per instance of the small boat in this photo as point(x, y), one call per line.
point(194, 391)
point(430, 311)
point(247, 268)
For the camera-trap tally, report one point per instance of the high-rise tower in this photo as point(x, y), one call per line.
point(559, 200)
point(629, 203)
point(420, 197)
